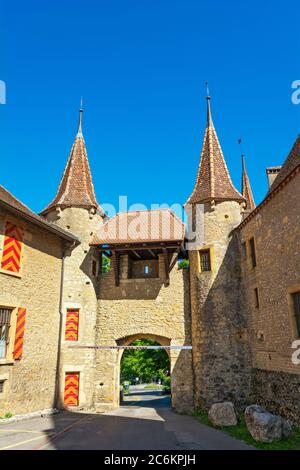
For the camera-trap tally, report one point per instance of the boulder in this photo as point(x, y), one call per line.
point(264, 426)
point(222, 414)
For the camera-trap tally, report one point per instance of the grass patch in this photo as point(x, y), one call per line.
point(241, 432)
point(152, 386)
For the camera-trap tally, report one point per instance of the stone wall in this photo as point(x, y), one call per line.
point(143, 308)
point(276, 232)
point(278, 392)
point(219, 323)
point(30, 382)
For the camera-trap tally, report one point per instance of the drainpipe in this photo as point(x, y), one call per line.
point(57, 381)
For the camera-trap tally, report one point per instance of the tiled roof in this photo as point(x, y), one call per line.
point(246, 188)
point(141, 227)
point(76, 188)
point(10, 202)
point(292, 161)
point(213, 180)
point(290, 168)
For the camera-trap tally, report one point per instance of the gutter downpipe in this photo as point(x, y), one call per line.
point(57, 375)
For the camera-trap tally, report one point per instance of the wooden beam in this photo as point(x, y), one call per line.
point(141, 247)
point(136, 254)
point(116, 263)
point(167, 265)
point(152, 253)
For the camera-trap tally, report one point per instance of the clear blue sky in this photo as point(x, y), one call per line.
point(140, 66)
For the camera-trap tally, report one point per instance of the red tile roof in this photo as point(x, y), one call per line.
point(292, 161)
point(246, 188)
point(76, 188)
point(11, 203)
point(141, 227)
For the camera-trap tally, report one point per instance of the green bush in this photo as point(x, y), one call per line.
point(183, 264)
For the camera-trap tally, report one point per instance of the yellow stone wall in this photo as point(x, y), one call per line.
point(30, 383)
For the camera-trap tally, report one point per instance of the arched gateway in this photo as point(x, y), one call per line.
point(143, 295)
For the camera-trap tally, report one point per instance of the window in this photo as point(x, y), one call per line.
point(252, 252)
point(5, 315)
point(1, 386)
point(244, 250)
point(72, 323)
point(140, 269)
point(205, 263)
point(256, 298)
point(12, 247)
point(296, 302)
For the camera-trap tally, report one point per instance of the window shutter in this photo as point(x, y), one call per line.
point(12, 247)
point(72, 321)
point(18, 348)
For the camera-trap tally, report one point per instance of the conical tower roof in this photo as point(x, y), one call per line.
point(76, 188)
point(246, 188)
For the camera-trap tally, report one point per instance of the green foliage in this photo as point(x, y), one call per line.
point(183, 264)
point(105, 263)
point(241, 432)
point(7, 415)
point(146, 364)
point(167, 384)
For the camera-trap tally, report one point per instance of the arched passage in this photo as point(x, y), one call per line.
point(145, 374)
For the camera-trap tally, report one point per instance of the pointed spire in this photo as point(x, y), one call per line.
point(213, 180)
point(79, 131)
point(209, 117)
point(246, 188)
point(76, 188)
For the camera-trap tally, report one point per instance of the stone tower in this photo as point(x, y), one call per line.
point(75, 208)
point(219, 335)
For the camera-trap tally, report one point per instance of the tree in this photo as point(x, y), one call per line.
point(147, 364)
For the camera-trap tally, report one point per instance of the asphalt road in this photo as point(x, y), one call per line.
point(145, 421)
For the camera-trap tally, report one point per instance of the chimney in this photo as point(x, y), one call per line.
point(272, 172)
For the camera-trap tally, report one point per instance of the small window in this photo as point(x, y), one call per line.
point(205, 262)
point(252, 252)
point(1, 386)
point(5, 315)
point(146, 269)
point(256, 298)
point(296, 302)
point(94, 268)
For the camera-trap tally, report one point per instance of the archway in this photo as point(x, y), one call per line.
point(145, 372)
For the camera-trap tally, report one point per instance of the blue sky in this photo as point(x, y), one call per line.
point(140, 67)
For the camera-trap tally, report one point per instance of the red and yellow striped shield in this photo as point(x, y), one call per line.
point(71, 396)
point(11, 256)
point(72, 320)
point(18, 348)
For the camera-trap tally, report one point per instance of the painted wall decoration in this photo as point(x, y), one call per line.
point(19, 338)
point(12, 247)
point(71, 395)
point(72, 323)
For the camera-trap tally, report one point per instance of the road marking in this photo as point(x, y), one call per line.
point(21, 443)
point(55, 435)
point(22, 431)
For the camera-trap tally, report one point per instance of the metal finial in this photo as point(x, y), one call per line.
point(79, 131)
point(209, 117)
point(207, 90)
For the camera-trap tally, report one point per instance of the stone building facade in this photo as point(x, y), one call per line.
point(30, 283)
point(237, 306)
